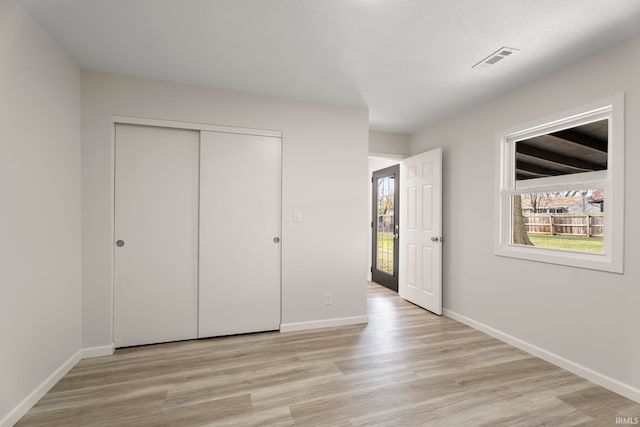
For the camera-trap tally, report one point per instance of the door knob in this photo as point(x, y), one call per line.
point(120, 243)
point(276, 240)
point(435, 239)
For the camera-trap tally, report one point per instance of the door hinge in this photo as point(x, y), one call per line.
point(371, 224)
point(371, 269)
point(372, 180)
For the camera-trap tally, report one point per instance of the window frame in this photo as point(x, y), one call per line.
point(611, 180)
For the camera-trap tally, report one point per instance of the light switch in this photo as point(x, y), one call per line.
point(297, 215)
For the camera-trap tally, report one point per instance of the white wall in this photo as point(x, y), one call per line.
point(39, 207)
point(383, 143)
point(324, 175)
point(590, 318)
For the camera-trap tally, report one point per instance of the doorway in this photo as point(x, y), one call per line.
point(385, 226)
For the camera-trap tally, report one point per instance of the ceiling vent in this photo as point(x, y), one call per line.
point(495, 57)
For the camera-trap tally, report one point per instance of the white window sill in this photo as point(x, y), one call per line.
point(591, 261)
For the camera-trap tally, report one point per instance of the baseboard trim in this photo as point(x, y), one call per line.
point(27, 403)
point(609, 383)
point(103, 350)
point(326, 323)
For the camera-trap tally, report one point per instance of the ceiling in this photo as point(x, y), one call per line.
point(409, 61)
point(579, 149)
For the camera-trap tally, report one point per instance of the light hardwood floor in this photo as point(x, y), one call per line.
point(407, 367)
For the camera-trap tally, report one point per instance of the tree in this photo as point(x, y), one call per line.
point(520, 236)
point(537, 201)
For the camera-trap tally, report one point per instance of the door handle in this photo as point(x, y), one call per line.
point(120, 243)
point(436, 239)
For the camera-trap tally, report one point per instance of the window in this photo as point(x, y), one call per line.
point(560, 189)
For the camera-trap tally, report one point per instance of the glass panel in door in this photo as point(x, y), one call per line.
point(385, 227)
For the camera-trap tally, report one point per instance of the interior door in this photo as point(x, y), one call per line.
point(385, 226)
point(156, 232)
point(240, 211)
point(421, 230)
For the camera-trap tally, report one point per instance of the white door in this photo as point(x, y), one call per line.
point(421, 230)
point(240, 187)
point(156, 233)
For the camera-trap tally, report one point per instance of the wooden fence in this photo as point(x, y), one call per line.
point(591, 225)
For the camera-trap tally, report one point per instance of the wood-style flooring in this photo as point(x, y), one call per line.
point(407, 367)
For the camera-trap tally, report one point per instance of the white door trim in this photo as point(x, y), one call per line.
point(145, 121)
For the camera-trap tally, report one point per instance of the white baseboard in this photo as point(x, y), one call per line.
point(327, 323)
point(609, 383)
point(27, 403)
point(103, 350)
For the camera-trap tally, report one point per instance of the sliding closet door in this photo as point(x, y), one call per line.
point(240, 219)
point(156, 232)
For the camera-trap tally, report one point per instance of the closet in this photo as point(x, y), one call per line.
point(197, 233)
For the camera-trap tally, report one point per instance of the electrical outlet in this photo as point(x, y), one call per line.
point(328, 298)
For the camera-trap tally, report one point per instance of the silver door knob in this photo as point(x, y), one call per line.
point(120, 243)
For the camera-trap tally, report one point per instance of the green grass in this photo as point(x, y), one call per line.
point(574, 243)
point(385, 251)
point(385, 239)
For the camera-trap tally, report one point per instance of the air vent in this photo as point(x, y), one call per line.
point(495, 57)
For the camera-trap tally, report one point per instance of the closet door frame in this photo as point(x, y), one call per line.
point(176, 124)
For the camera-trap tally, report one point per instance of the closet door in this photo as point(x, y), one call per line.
point(240, 193)
point(156, 233)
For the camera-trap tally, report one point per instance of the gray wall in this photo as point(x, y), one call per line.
point(381, 143)
point(590, 318)
point(40, 206)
